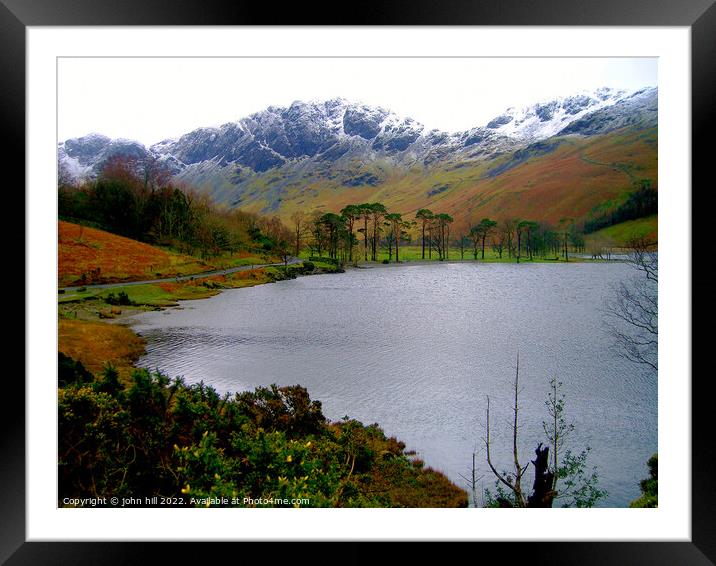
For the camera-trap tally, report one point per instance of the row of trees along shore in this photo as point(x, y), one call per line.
point(361, 231)
point(139, 200)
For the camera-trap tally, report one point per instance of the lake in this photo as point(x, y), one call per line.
point(418, 348)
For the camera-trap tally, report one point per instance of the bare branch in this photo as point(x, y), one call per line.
point(497, 474)
point(633, 308)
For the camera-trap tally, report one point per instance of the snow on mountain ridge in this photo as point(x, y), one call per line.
point(330, 129)
point(548, 117)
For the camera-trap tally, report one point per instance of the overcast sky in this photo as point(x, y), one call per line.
point(152, 99)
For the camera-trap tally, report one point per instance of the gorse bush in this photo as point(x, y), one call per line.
point(120, 299)
point(166, 438)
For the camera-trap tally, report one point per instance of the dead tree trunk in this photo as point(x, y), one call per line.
point(542, 493)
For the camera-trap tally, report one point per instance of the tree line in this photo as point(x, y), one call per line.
point(338, 235)
point(361, 231)
point(140, 201)
point(641, 202)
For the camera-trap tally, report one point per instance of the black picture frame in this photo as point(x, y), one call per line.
point(699, 15)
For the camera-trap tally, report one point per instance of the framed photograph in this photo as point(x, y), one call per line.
point(391, 281)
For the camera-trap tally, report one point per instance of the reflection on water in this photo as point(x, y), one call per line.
point(418, 348)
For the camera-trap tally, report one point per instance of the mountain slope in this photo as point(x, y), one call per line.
point(555, 157)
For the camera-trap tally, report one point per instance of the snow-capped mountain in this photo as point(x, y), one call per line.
point(638, 109)
point(83, 157)
point(548, 118)
point(325, 130)
point(353, 144)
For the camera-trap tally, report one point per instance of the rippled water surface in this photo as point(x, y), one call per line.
point(417, 349)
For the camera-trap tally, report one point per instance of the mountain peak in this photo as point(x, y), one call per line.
point(353, 131)
point(546, 118)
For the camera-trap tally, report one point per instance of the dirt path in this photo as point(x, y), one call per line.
point(623, 167)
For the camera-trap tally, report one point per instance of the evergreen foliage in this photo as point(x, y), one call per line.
point(649, 486)
point(166, 438)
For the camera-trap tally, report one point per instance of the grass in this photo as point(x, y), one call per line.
point(619, 234)
point(97, 343)
point(151, 294)
point(164, 294)
point(91, 304)
point(84, 336)
point(89, 255)
point(413, 253)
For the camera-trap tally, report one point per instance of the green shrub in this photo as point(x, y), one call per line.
point(71, 371)
point(287, 409)
point(162, 437)
point(120, 299)
point(649, 486)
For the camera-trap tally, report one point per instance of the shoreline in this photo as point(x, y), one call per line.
point(491, 261)
point(417, 485)
point(124, 319)
point(75, 314)
point(128, 311)
point(93, 309)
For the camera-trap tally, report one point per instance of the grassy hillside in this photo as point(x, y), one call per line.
point(562, 177)
point(620, 234)
point(88, 255)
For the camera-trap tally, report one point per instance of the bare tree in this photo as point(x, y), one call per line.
point(566, 225)
point(284, 245)
point(632, 308)
point(298, 218)
point(507, 228)
point(512, 480)
point(579, 485)
point(473, 480)
point(499, 242)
